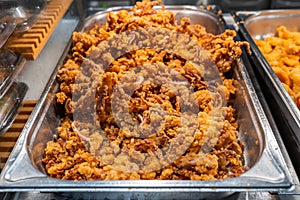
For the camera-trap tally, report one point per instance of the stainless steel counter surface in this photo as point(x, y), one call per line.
point(36, 73)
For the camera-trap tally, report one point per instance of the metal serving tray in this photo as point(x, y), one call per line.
point(7, 24)
point(259, 25)
point(11, 65)
point(10, 103)
point(268, 170)
point(24, 13)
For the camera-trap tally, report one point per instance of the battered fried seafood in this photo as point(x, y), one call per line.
point(142, 101)
point(282, 51)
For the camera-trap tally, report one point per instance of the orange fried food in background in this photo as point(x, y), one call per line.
point(282, 51)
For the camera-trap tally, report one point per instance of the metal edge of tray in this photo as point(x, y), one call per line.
point(265, 106)
point(271, 156)
point(296, 190)
point(20, 89)
point(11, 25)
point(249, 66)
point(213, 11)
point(34, 13)
point(5, 85)
point(283, 100)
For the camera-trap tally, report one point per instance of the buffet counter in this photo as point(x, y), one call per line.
point(36, 74)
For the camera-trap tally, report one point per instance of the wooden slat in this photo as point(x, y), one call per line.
point(4, 155)
point(31, 42)
point(33, 35)
point(6, 144)
point(36, 30)
point(29, 103)
point(2, 165)
point(22, 47)
point(10, 134)
point(9, 138)
point(17, 127)
point(52, 14)
point(47, 23)
point(49, 18)
point(53, 11)
point(25, 110)
point(22, 118)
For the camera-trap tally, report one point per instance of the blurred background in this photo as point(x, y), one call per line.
point(225, 5)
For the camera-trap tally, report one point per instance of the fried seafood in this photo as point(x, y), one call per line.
point(282, 51)
point(143, 100)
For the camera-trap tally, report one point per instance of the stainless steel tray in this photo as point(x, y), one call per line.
point(28, 13)
point(7, 24)
point(259, 25)
point(268, 170)
point(24, 13)
point(10, 103)
point(11, 65)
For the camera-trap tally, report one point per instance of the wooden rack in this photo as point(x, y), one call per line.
point(31, 42)
point(10, 137)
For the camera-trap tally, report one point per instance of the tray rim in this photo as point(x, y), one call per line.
point(20, 89)
point(10, 78)
point(291, 107)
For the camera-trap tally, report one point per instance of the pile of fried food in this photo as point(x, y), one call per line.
point(129, 61)
point(282, 51)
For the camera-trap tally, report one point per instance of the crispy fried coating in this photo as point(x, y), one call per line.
point(211, 151)
point(282, 51)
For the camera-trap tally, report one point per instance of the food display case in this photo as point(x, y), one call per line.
point(271, 167)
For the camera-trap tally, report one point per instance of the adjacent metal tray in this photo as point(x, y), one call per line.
point(259, 25)
point(10, 103)
point(28, 13)
point(268, 170)
point(11, 65)
point(8, 23)
point(23, 13)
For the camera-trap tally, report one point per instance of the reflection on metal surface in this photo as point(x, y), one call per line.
point(10, 103)
point(11, 65)
point(259, 25)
